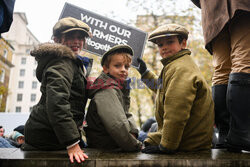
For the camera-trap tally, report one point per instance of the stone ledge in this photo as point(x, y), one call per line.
point(99, 158)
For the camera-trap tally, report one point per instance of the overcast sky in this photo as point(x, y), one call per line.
point(43, 14)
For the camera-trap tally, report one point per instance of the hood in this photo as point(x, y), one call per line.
point(46, 52)
point(105, 81)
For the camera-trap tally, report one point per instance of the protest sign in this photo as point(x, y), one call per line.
point(107, 32)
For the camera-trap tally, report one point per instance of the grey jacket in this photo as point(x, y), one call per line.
point(110, 125)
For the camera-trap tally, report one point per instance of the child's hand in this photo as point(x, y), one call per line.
point(158, 149)
point(75, 152)
point(142, 66)
point(151, 150)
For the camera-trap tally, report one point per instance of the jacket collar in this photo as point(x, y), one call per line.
point(46, 53)
point(106, 81)
point(181, 53)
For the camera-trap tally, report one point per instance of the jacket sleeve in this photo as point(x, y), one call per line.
point(7, 6)
point(59, 77)
point(132, 124)
point(178, 99)
point(115, 121)
point(151, 80)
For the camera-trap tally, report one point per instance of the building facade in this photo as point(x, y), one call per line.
point(6, 53)
point(24, 88)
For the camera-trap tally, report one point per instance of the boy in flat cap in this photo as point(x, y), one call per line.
point(184, 106)
point(110, 124)
point(55, 122)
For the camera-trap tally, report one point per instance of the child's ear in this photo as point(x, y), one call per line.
point(184, 44)
point(105, 69)
point(57, 39)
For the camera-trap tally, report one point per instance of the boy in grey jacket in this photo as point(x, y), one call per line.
point(110, 125)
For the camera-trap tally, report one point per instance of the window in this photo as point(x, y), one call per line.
point(22, 72)
point(2, 75)
point(19, 97)
point(20, 84)
point(28, 51)
point(5, 53)
point(34, 73)
point(34, 85)
point(23, 60)
point(18, 109)
point(33, 97)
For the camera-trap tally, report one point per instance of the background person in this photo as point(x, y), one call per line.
point(16, 139)
point(226, 30)
point(1, 131)
point(6, 15)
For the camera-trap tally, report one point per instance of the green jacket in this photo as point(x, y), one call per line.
point(110, 125)
point(54, 122)
point(184, 106)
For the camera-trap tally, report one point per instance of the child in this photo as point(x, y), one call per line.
point(184, 106)
point(16, 139)
point(110, 125)
point(1, 131)
point(55, 122)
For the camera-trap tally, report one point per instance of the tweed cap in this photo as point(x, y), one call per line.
point(68, 24)
point(168, 30)
point(117, 48)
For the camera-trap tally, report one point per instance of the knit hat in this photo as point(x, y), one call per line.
point(15, 135)
point(20, 129)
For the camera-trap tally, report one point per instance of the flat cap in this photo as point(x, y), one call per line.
point(168, 30)
point(68, 24)
point(117, 48)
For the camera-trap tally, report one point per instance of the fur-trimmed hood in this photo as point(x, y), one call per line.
point(52, 50)
point(46, 52)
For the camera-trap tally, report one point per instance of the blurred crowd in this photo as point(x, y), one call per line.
point(13, 140)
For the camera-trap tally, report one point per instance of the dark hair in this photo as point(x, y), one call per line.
point(180, 38)
point(68, 34)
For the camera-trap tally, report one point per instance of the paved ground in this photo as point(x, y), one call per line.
point(98, 158)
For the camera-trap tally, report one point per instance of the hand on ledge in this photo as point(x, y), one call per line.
point(75, 152)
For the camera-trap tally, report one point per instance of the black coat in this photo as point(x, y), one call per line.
point(55, 121)
point(8, 7)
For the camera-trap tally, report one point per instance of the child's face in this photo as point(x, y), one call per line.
point(169, 46)
point(74, 40)
point(1, 131)
point(20, 140)
point(118, 67)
